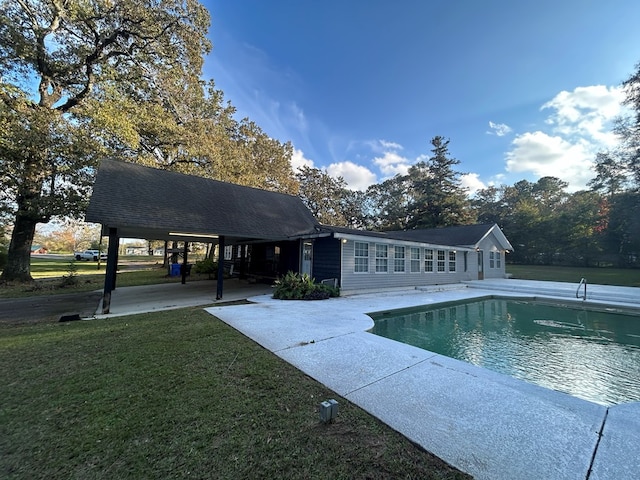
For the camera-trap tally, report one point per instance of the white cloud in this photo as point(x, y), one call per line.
point(579, 125)
point(391, 164)
point(472, 182)
point(356, 176)
point(499, 129)
point(546, 155)
point(383, 146)
point(586, 112)
point(298, 160)
point(390, 145)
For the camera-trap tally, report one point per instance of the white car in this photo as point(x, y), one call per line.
point(90, 255)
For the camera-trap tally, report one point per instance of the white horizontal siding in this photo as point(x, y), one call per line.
point(371, 280)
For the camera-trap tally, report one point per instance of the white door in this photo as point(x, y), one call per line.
point(307, 257)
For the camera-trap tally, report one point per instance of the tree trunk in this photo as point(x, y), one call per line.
point(19, 255)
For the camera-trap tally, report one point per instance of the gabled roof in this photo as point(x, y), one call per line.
point(467, 236)
point(460, 235)
point(144, 202)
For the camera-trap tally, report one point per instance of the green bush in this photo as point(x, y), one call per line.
point(207, 266)
point(294, 286)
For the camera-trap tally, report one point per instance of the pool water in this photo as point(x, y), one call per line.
point(590, 354)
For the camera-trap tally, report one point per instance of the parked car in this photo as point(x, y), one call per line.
point(90, 255)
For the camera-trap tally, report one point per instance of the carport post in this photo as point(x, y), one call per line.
point(184, 263)
point(220, 267)
point(112, 266)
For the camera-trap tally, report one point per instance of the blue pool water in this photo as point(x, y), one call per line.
point(590, 354)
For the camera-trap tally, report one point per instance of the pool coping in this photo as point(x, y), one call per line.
point(487, 424)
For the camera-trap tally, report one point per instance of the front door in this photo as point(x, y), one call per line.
point(307, 258)
point(480, 265)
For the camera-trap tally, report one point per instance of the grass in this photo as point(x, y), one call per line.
point(624, 277)
point(179, 394)
point(48, 273)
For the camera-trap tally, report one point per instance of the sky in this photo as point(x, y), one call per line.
point(522, 90)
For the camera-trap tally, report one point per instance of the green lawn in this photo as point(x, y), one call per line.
point(624, 277)
point(178, 394)
point(49, 272)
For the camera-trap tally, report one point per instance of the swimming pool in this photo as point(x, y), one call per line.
point(592, 354)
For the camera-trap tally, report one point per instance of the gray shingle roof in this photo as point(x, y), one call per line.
point(145, 202)
point(459, 235)
point(456, 236)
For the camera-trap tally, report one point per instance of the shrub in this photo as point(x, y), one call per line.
point(294, 286)
point(208, 266)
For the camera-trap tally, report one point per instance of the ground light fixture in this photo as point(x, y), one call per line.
point(328, 410)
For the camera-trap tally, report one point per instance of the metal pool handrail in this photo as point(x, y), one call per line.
point(583, 281)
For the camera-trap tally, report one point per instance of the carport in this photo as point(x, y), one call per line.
point(134, 201)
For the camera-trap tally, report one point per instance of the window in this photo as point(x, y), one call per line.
point(361, 257)
point(382, 258)
point(495, 260)
point(228, 252)
point(398, 259)
point(441, 261)
point(452, 261)
point(428, 261)
point(415, 259)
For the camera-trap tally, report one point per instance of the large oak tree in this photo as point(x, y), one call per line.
point(56, 57)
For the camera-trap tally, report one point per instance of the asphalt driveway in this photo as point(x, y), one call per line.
point(48, 308)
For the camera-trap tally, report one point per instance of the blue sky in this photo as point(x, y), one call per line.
point(521, 89)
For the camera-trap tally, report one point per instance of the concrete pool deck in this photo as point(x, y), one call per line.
point(484, 423)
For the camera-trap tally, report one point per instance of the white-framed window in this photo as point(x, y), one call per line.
point(228, 252)
point(382, 258)
point(441, 261)
point(361, 254)
point(495, 260)
point(428, 260)
point(452, 261)
point(414, 253)
point(398, 259)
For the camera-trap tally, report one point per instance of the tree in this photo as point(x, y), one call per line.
point(628, 128)
point(438, 198)
point(611, 177)
point(323, 195)
point(623, 229)
point(488, 206)
point(75, 53)
point(190, 129)
point(389, 203)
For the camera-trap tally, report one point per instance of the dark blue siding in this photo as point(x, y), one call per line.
point(326, 258)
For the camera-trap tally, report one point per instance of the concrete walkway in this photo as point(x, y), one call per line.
point(487, 424)
point(168, 296)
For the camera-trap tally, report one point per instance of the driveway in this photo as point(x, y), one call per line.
point(47, 308)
